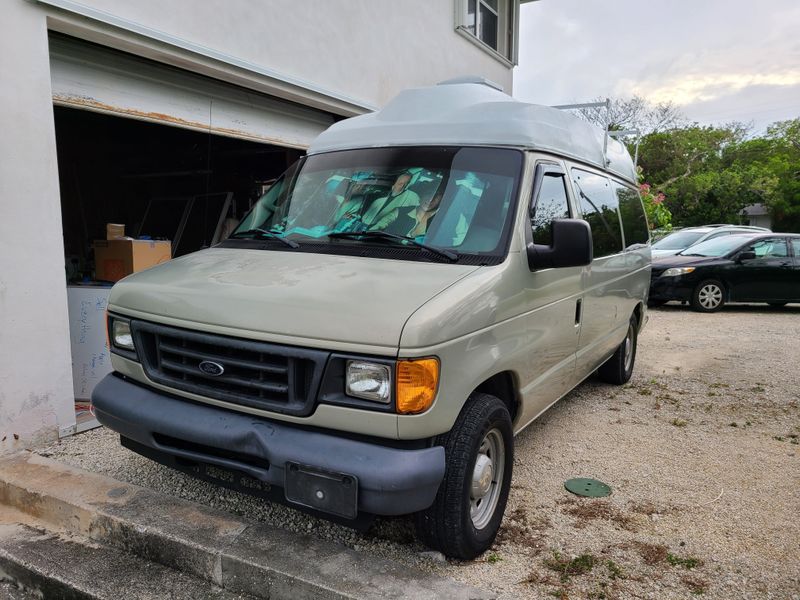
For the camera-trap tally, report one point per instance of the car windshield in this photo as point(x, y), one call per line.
point(678, 240)
point(445, 198)
point(717, 247)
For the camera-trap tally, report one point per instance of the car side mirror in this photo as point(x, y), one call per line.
point(743, 256)
point(572, 246)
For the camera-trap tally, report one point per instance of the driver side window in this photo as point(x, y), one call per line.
point(774, 248)
point(551, 203)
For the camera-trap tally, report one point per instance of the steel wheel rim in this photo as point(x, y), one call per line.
point(710, 296)
point(487, 478)
point(629, 349)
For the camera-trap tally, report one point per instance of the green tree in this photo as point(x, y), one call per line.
point(709, 174)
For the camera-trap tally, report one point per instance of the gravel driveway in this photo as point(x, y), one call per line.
point(701, 450)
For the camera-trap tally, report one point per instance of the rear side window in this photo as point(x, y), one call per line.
point(599, 206)
point(551, 203)
point(796, 247)
point(634, 221)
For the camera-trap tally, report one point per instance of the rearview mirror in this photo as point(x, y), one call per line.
point(572, 246)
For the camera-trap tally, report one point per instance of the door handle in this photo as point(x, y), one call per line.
point(578, 307)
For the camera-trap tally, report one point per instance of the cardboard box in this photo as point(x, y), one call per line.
point(115, 230)
point(115, 259)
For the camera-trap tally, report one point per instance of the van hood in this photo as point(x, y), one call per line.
point(316, 298)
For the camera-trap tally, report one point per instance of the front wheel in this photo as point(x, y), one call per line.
point(709, 296)
point(466, 514)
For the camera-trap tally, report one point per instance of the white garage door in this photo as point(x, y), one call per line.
point(93, 78)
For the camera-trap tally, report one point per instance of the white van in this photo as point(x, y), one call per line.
point(401, 303)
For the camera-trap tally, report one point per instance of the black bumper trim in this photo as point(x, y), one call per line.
point(392, 481)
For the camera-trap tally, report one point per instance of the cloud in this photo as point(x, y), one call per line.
point(718, 59)
point(702, 88)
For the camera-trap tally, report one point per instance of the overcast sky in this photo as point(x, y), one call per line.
point(721, 60)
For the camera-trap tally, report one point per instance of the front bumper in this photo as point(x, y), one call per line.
point(391, 481)
point(671, 288)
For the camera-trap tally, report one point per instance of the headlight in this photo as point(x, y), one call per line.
point(674, 272)
point(370, 381)
point(121, 334)
point(417, 381)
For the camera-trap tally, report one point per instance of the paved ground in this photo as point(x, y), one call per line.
point(701, 449)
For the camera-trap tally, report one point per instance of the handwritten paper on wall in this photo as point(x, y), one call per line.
point(87, 332)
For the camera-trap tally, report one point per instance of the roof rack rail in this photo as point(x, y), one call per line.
point(615, 134)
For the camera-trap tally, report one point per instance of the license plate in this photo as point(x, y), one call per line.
point(326, 491)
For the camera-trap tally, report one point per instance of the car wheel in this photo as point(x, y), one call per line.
point(466, 514)
point(709, 296)
point(619, 368)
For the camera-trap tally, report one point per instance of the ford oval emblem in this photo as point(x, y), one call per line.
point(211, 368)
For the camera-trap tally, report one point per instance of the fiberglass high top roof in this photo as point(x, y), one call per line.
point(475, 114)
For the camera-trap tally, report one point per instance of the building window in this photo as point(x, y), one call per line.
point(491, 23)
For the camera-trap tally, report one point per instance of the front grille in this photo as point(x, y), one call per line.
point(258, 375)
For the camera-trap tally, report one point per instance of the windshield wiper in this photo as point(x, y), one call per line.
point(682, 254)
point(273, 235)
point(452, 256)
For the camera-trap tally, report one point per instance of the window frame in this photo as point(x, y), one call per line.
point(544, 169)
point(507, 12)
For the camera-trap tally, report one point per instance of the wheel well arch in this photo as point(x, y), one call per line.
point(504, 386)
point(638, 311)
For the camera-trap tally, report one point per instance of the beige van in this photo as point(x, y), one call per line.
point(406, 298)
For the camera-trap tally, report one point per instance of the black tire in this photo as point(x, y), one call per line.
point(708, 296)
point(448, 524)
point(777, 304)
point(619, 368)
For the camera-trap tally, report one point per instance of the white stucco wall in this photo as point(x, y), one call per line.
point(35, 368)
point(367, 50)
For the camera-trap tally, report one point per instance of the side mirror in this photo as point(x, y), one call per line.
point(572, 246)
point(745, 256)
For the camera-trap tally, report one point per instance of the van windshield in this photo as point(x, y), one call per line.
point(448, 198)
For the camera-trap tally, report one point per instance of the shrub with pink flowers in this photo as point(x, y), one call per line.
point(658, 215)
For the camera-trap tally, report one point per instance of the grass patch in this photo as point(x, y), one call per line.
point(680, 422)
point(652, 554)
point(734, 424)
point(589, 510)
point(698, 587)
point(570, 567)
point(614, 570)
point(689, 562)
point(493, 558)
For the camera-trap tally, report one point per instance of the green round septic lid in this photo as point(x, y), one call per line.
point(591, 488)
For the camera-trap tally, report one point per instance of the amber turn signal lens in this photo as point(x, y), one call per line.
point(416, 384)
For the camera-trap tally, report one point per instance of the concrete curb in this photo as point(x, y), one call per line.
point(232, 553)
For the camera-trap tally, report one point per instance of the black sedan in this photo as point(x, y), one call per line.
point(736, 268)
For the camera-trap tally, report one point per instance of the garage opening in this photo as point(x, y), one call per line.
point(180, 189)
point(154, 162)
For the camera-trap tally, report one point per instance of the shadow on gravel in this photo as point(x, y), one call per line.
point(735, 308)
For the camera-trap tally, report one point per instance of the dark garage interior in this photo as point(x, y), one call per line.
point(144, 175)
